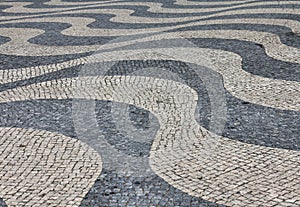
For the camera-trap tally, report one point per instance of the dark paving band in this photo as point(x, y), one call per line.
point(2, 203)
point(111, 189)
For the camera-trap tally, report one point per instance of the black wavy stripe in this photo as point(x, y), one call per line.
point(112, 189)
point(102, 21)
point(170, 3)
point(12, 61)
point(255, 60)
point(49, 115)
point(141, 11)
point(181, 69)
point(2, 7)
point(53, 36)
point(41, 4)
point(254, 15)
point(276, 128)
point(117, 139)
point(259, 125)
point(279, 1)
point(53, 31)
point(246, 122)
point(166, 4)
point(4, 39)
point(2, 203)
point(286, 35)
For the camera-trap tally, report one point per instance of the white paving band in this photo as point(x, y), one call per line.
point(268, 92)
point(41, 168)
point(183, 153)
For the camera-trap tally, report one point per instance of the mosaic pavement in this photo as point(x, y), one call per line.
point(185, 103)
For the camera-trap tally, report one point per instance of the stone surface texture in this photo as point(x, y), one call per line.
point(184, 103)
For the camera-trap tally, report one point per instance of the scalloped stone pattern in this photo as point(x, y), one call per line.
point(149, 103)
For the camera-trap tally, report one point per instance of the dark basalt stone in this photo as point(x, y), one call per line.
point(2, 203)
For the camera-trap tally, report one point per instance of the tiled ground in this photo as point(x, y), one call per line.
point(185, 103)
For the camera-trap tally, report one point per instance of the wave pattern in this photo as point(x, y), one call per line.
point(149, 103)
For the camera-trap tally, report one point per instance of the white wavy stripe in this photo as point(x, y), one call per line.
point(268, 92)
point(12, 75)
point(61, 168)
point(79, 25)
point(15, 4)
point(201, 155)
point(19, 44)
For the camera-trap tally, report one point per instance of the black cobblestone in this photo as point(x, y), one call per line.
point(111, 189)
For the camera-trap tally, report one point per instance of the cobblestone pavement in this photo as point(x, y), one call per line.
point(185, 103)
